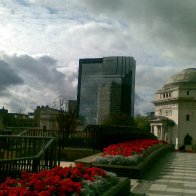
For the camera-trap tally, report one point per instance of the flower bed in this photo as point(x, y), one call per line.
point(78, 180)
point(129, 153)
point(130, 158)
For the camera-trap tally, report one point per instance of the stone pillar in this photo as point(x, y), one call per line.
point(152, 129)
point(176, 144)
point(161, 130)
point(166, 136)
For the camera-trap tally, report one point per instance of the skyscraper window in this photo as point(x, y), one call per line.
point(105, 86)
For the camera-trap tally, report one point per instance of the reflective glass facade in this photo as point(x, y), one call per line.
point(105, 86)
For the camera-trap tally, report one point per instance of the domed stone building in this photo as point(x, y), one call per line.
point(175, 110)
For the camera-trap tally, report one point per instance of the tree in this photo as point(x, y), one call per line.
point(142, 122)
point(67, 121)
point(120, 119)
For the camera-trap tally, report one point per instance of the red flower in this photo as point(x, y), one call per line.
point(129, 148)
point(57, 181)
point(44, 193)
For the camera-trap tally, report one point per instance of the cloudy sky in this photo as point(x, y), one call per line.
point(41, 42)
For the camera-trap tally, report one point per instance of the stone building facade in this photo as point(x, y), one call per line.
point(175, 109)
point(46, 117)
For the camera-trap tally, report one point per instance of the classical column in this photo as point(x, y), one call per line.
point(152, 129)
point(161, 130)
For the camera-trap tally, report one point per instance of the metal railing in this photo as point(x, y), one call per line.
point(94, 137)
point(18, 130)
point(39, 132)
point(35, 149)
point(99, 137)
point(30, 153)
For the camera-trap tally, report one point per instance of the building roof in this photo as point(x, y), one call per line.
point(186, 75)
point(162, 119)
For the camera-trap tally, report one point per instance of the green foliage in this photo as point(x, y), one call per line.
point(67, 121)
point(123, 119)
point(120, 119)
point(142, 122)
point(119, 160)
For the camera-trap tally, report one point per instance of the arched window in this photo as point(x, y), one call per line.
point(187, 117)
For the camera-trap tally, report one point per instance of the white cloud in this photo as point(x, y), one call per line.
point(42, 41)
point(36, 80)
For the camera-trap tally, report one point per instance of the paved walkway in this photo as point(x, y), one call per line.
point(66, 164)
point(173, 174)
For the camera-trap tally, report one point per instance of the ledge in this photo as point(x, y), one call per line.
point(88, 160)
point(121, 188)
point(133, 172)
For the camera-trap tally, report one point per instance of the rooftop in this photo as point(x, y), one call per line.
point(186, 75)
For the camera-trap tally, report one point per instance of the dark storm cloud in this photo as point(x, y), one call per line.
point(42, 81)
point(159, 34)
point(8, 76)
point(47, 60)
point(141, 105)
point(37, 70)
point(167, 23)
point(138, 99)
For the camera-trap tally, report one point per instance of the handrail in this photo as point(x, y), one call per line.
point(25, 131)
point(39, 132)
point(46, 147)
point(21, 159)
point(18, 136)
point(38, 155)
point(29, 153)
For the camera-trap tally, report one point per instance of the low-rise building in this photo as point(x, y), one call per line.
point(46, 117)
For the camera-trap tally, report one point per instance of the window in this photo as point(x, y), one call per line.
point(187, 92)
point(160, 112)
point(187, 117)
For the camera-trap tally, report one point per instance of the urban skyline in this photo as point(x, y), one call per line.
point(41, 43)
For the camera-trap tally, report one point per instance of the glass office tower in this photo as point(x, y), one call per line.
point(106, 86)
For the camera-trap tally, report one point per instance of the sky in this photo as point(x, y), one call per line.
point(41, 42)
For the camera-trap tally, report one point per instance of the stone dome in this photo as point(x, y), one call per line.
point(184, 76)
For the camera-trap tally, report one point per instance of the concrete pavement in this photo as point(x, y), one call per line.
point(173, 174)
